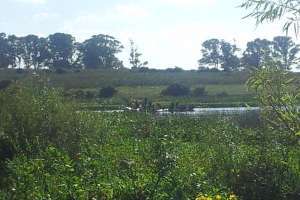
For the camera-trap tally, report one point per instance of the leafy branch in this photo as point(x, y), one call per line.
point(272, 10)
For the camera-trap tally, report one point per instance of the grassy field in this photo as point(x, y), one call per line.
point(154, 92)
point(235, 94)
point(223, 88)
point(217, 96)
point(100, 78)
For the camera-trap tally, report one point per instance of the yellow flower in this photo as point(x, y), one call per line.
point(201, 198)
point(232, 197)
point(218, 197)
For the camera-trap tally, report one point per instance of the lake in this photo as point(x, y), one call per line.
point(211, 111)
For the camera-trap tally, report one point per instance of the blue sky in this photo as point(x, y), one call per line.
point(168, 32)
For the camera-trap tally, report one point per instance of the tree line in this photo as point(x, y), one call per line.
point(282, 51)
point(62, 51)
point(58, 51)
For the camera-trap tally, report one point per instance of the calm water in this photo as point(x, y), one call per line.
point(212, 111)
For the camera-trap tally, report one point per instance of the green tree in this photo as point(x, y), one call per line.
point(219, 54)
point(285, 50)
point(257, 53)
point(230, 62)
point(135, 57)
point(16, 50)
point(61, 48)
point(35, 51)
point(100, 52)
point(211, 53)
point(6, 52)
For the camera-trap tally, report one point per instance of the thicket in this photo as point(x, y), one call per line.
point(51, 151)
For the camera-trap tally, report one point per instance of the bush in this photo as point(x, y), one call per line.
point(89, 95)
point(33, 117)
point(79, 94)
point(107, 92)
point(199, 92)
point(266, 180)
point(222, 94)
point(4, 84)
point(175, 69)
point(176, 90)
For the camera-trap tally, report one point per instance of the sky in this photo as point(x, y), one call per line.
point(167, 32)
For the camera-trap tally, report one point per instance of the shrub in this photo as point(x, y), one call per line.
point(89, 95)
point(222, 94)
point(176, 90)
point(175, 69)
point(33, 117)
point(4, 84)
point(199, 92)
point(107, 92)
point(275, 89)
point(79, 94)
point(54, 171)
point(265, 179)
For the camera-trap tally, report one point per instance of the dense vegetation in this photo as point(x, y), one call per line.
point(51, 150)
point(48, 150)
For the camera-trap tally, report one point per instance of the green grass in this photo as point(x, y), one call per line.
point(100, 78)
point(137, 85)
point(237, 95)
point(154, 92)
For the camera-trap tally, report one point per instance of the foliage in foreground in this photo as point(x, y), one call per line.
point(59, 153)
point(279, 97)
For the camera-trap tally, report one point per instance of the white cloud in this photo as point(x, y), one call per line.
point(33, 1)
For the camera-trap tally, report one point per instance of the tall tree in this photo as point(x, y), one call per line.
point(211, 53)
point(230, 62)
point(16, 49)
point(258, 53)
point(6, 52)
point(61, 48)
point(35, 51)
point(29, 44)
point(285, 50)
point(219, 54)
point(100, 52)
point(134, 57)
